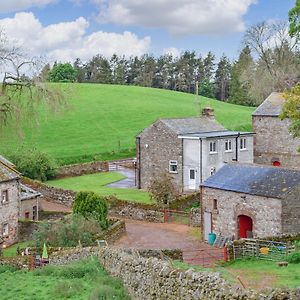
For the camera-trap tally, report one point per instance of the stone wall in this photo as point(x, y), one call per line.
point(152, 279)
point(81, 169)
point(273, 142)
point(9, 211)
point(265, 212)
point(156, 146)
point(195, 217)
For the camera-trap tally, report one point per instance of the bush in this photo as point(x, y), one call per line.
point(7, 268)
point(67, 232)
point(294, 258)
point(34, 164)
point(89, 204)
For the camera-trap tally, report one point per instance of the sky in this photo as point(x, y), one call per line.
point(62, 30)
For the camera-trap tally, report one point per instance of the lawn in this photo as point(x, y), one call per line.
point(97, 183)
point(12, 250)
point(101, 121)
point(82, 280)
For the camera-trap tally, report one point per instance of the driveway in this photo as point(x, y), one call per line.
point(145, 235)
point(126, 183)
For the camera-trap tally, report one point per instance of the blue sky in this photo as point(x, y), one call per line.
point(66, 29)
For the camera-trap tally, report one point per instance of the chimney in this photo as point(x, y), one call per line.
point(208, 112)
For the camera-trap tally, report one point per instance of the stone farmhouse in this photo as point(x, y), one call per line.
point(244, 200)
point(189, 149)
point(17, 201)
point(273, 144)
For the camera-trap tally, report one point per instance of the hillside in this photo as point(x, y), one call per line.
point(101, 121)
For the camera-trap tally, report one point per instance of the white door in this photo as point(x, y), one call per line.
point(192, 179)
point(207, 224)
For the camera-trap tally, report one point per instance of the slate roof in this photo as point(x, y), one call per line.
point(192, 125)
point(28, 193)
point(255, 180)
point(272, 106)
point(215, 134)
point(7, 170)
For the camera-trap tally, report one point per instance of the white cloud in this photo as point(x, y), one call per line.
point(17, 5)
point(68, 40)
point(179, 17)
point(175, 52)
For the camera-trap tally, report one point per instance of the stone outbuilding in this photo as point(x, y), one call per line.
point(243, 200)
point(189, 150)
point(273, 143)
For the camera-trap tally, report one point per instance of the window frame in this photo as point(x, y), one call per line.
point(6, 232)
point(4, 192)
point(243, 144)
point(227, 144)
point(212, 171)
point(213, 147)
point(173, 163)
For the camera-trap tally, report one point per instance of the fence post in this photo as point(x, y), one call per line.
point(225, 254)
point(166, 215)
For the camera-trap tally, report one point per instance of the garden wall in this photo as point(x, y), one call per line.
point(152, 278)
point(82, 169)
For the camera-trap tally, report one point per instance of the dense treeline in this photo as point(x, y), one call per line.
point(269, 61)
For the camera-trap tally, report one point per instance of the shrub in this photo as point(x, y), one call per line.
point(294, 258)
point(34, 164)
point(163, 190)
point(67, 232)
point(7, 268)
point(89, 204)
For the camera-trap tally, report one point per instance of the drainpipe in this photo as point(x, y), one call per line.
point(202, 211)
point(237, 147)
point(201, 161)
point(182, 166)
point(138, 165)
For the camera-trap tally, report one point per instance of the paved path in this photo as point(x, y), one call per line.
point(144, 235)
point(126, 183)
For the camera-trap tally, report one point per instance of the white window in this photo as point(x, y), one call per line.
point(213, 147)
point(243, 144)
point(5, 229)
point(173, 166)
point(212, 171)
point(4, 198)
point(228, 146)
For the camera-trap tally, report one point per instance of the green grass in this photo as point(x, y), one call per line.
point(97, 183)
point(82, 280)
point(12, 250)
point(101, 121)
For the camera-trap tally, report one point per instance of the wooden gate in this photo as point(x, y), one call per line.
point(176, 216)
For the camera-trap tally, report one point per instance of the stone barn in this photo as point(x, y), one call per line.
point(257, 201)
point(189, 150)
point(273, 144)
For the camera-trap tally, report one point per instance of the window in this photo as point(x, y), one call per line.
point(192, 174)
point(228, 146)
point(213, 147)
point(215, 204)
point(5, 229)
point(243, 144)
point(4, 197)
point(212, 171)
point(27, 215)
point(173, 166)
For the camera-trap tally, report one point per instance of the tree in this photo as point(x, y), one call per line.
point(80, 70)
point(20, 94)
point(63, 73)
point(291, 109)
point(90, 204)
point(222, 78)
point(294, 20)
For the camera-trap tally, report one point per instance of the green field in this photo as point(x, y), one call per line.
point(82, 280)
point(101, 121)
point(97, 183)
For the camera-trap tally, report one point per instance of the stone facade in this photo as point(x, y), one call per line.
point(156, 146)
point(29, 209)
point(9, 211)
point(266, 213)
point(274, 143)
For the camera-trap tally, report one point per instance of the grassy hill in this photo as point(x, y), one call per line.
point(101, 121)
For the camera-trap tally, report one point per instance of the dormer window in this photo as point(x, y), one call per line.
point(213, 147)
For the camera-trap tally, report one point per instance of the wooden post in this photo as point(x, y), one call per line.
point(225, 254)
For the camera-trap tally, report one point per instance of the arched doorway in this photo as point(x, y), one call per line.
point(245, 226)
point(276, 163)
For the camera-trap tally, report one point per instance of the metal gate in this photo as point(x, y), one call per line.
point(176, 216)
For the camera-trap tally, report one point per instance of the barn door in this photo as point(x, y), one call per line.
point(207, 224)
point(245, 226)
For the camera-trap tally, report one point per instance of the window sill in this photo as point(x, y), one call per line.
point(242, 150)
point(213, 153)
point(228, 151)
point(172, 172)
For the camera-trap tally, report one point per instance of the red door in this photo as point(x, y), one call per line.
point(246, 225)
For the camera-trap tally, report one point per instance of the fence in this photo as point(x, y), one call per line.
point(261, 249)
point(176, 216)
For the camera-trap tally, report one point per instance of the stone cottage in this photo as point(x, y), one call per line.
point(244, 200)
point(189, 149)
point(17, 201)
point(273, 144)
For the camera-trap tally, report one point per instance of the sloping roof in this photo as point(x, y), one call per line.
point(193, 125)
point(215, 134)
point(255, 180)
point(28, 193)
point(7, 170)
point(272, 106)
